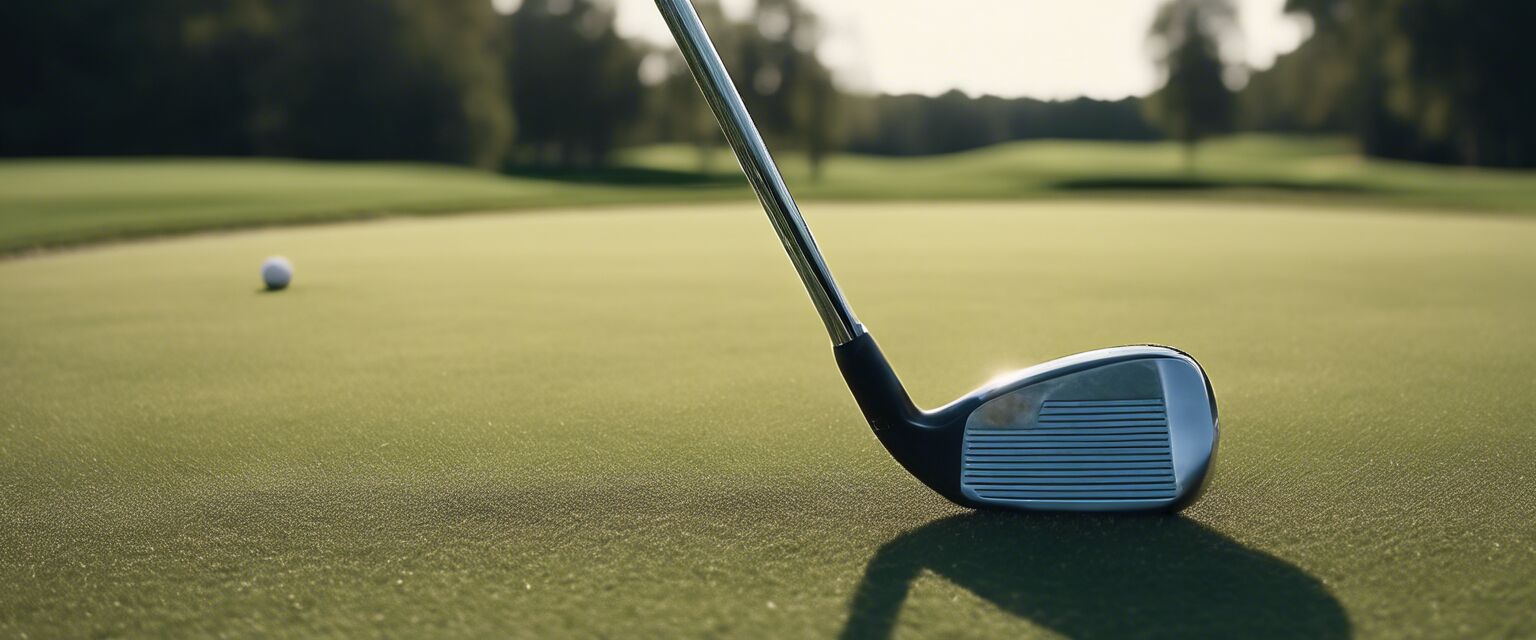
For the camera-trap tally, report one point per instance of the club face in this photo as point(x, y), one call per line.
point(1122, 429)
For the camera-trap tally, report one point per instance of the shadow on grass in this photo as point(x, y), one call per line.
point(1190, 183)
point(628, 176)
point(1101, 577)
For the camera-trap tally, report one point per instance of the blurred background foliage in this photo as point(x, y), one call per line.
point(552, 84)
point(1444, 81)
point(1194, 101)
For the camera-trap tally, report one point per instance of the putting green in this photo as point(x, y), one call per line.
point(626, 422)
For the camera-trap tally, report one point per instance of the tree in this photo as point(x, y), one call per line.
point(1465, 77)
point(386, 79)
point(1342, 77)
point(817, 111)
point(772, 59)
point(678, 111)
point(1425, 80)
point(790, 92)
point(458, 43)
point(93, 77)
point(1195, 102)
point(575, 83)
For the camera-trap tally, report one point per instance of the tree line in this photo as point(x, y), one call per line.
point(549, 83)
point(552, 83)
point(1446, 81)
point(953, 121)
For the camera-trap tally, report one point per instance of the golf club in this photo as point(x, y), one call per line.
point(1121, 429)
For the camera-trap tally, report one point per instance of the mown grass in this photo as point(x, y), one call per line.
point(63, 202)
point(626, 422)
point(1250, 167)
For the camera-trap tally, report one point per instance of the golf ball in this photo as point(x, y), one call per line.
point(277, 272)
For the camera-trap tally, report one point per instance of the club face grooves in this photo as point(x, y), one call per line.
point(1112, 416)
point(1072, 436)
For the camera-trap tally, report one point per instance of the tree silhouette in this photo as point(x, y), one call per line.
point(678, 112)
point(1195, 102)
point(384, 79)
point(789, 91)
point(575, 82)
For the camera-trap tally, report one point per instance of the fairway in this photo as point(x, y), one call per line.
point(64, 202)
point(626, 422)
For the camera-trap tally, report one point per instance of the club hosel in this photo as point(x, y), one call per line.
point(875, 387)
point(927, 443)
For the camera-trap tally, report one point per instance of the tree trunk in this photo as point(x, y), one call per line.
point(706, 149)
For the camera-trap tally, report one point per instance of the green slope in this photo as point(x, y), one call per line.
point(625, 422)
point(1249, 167)
point(62, 202)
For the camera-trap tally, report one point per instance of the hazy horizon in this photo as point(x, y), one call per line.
point(1040, 49)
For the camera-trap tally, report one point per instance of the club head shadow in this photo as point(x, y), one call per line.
point(1089, 577)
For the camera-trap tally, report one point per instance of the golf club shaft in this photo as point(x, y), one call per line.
point(758, 164)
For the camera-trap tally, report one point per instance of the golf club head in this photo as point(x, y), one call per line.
point(1121, 430)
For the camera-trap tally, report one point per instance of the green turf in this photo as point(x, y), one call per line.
point(1248, 167)
point(62, 202)
point(626, 423)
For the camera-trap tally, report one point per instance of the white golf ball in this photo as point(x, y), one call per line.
point(277, 272)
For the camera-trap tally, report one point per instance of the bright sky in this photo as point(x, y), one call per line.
point(1039, 48)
